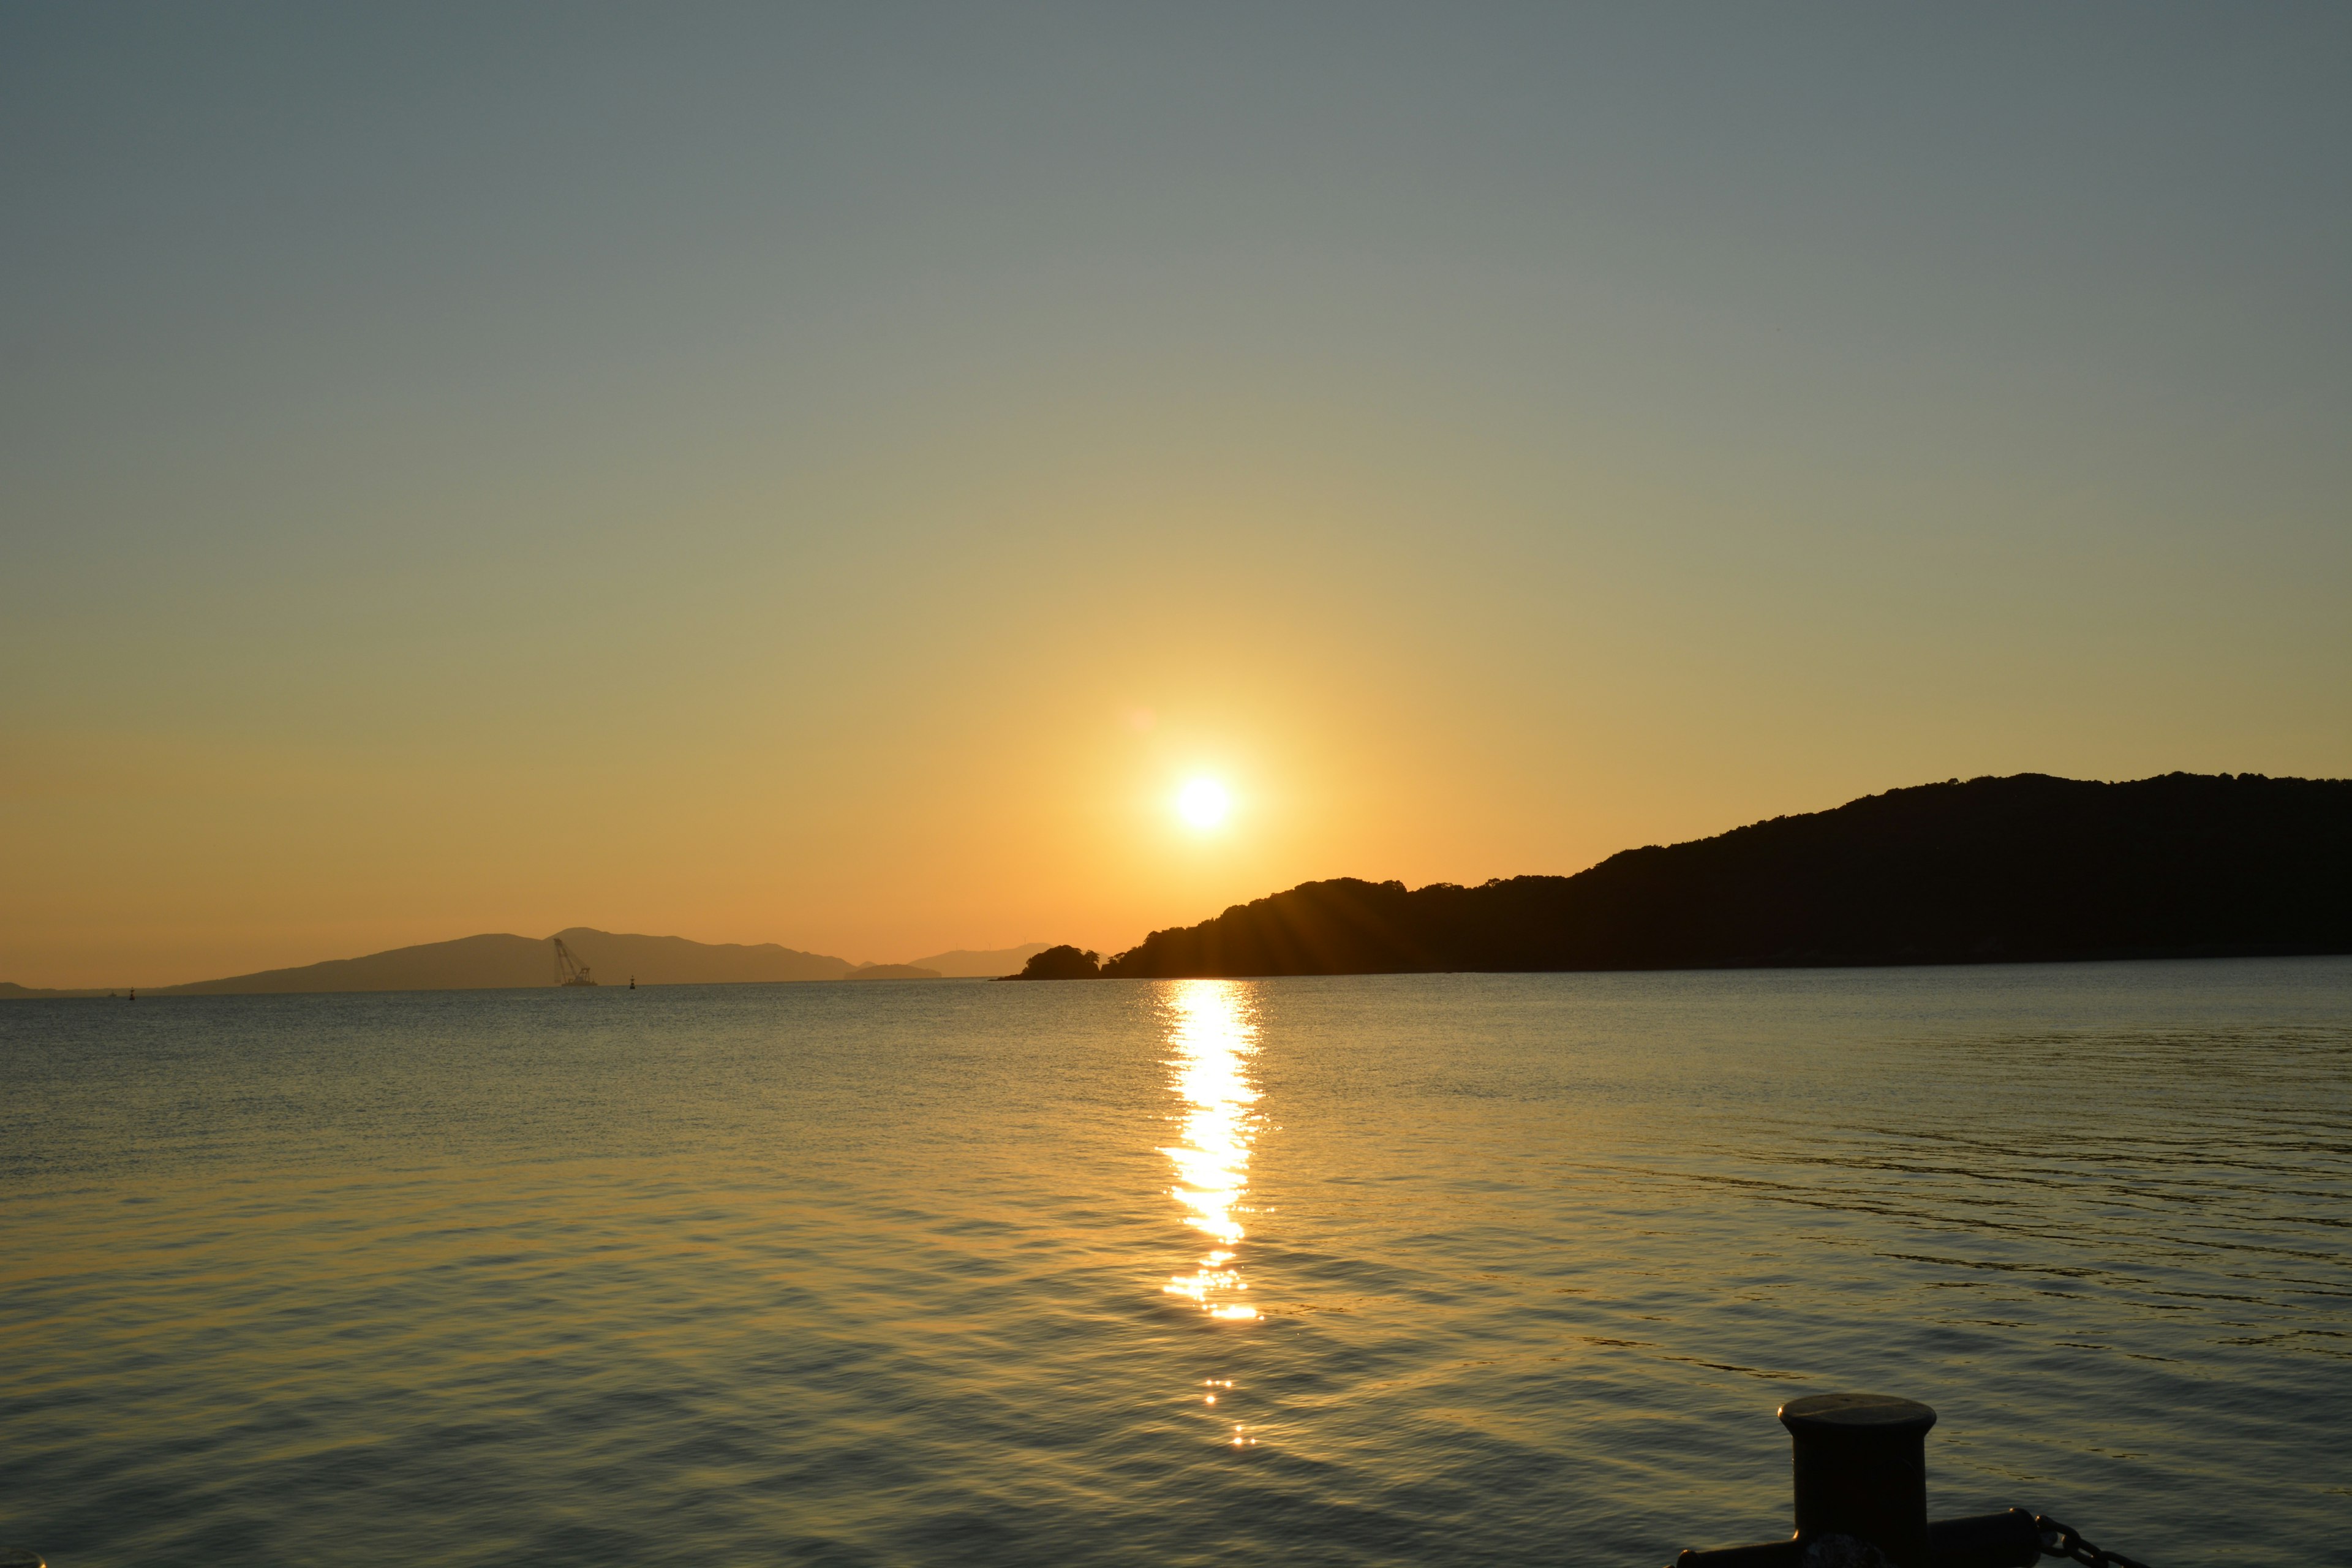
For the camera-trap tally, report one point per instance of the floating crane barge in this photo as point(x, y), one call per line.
point(569, 970)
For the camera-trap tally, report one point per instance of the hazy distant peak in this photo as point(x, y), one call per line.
point(575, 935)
point(501, 960)
point(964, 963)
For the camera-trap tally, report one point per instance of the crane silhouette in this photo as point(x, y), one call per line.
point(569, 970)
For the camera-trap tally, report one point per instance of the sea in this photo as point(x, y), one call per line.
point(1442, 1268)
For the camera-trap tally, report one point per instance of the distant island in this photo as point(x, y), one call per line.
point(500, 960)
point(2024, 868)
point(1062, 963)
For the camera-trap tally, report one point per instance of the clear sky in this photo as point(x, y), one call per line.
point(831, 476)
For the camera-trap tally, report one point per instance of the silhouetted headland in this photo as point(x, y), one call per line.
point(1062, 963)
point(1993, 870)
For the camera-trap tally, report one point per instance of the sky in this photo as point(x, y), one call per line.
point(832, 474)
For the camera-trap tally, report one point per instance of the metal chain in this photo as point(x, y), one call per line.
point(2065, 1541)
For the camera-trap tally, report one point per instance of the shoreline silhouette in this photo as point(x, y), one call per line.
point(2028, 868)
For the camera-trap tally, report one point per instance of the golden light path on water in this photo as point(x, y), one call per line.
point(1211, 1036)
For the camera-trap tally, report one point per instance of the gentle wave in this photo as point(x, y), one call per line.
point(1441, 1268)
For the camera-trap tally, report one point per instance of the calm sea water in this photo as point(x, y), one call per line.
point(1427, 1269)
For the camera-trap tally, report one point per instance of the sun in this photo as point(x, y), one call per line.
point(1203, 802)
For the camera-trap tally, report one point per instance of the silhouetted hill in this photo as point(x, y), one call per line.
point(2029, 867)
point(1062, 963)
point(482, 962)
point(894, 972)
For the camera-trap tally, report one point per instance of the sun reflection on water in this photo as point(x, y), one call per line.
point(1213, 1035)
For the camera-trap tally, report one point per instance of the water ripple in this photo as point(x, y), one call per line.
point(887, 1274)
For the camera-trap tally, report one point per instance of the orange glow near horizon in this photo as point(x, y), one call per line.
point(861, 545)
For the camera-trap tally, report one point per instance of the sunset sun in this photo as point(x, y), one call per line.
point(1204, 804)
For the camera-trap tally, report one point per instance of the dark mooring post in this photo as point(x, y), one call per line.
point(1860, 1470)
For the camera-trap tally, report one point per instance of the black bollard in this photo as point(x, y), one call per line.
point(1860, 1470)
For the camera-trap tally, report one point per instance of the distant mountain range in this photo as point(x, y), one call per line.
point(969, 964)
point(2024, 868)
point(500, 960)
point(479, 962)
